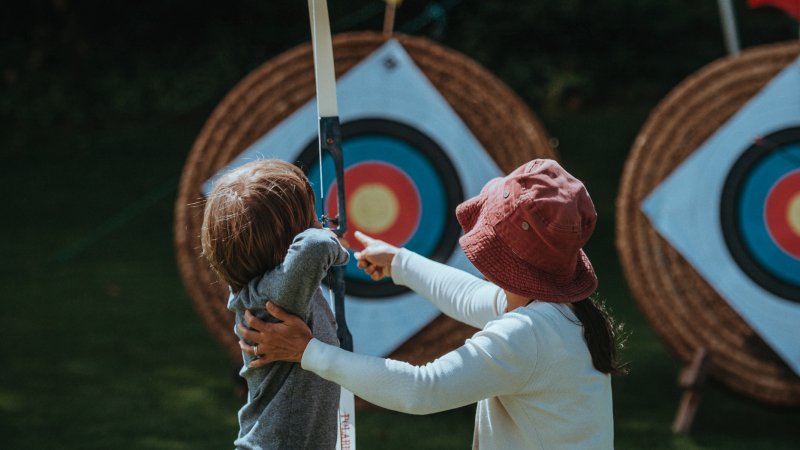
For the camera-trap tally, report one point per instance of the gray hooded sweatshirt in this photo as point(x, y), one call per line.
point(288, 407)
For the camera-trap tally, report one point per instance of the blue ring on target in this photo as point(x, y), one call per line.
point(746, 215)
point(420, 183)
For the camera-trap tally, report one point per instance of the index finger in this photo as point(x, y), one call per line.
point(279, 313)
point(253, 321)
point(248, 334)
point(363, 238)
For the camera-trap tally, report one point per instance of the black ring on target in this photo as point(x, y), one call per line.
point(731, 208)
point(439, 248)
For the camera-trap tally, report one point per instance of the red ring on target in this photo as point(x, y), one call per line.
point(382, 201)
point(782, 213)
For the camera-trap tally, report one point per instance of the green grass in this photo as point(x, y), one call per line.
point(100, 347)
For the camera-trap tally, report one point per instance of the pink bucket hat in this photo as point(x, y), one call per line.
point(525, 233)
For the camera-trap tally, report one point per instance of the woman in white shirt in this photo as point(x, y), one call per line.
point(540, 367)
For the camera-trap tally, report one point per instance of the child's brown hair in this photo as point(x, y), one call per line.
point(251, 217)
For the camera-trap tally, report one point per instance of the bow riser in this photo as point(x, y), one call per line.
point(330, 138)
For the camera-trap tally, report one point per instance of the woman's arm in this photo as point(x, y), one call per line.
point(496, 361)
point(456, 293)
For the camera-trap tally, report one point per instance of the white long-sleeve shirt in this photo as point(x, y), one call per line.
point(528, 369)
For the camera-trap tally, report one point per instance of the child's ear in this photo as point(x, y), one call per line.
point(315, 223)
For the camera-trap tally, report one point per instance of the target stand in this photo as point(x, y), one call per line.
point(405, 192)
point(708, 226)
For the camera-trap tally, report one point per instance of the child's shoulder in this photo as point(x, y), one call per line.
point(315, 235)
point(315, 242)
point(292, 282)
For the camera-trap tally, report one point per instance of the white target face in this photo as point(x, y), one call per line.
point(732, 210)
point(409, 160)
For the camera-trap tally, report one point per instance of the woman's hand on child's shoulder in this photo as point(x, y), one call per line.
point(283, 341)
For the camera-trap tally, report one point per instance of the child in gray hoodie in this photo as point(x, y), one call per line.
point(261, 236)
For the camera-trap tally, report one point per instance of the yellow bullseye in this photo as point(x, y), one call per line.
point(793, 214)
point(373, 207)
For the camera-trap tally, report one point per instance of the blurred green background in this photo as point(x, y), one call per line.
point(100, 102)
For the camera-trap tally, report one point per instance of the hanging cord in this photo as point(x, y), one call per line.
point(729, 27)
point(388, 16)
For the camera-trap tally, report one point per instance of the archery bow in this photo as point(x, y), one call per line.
point(330, 139)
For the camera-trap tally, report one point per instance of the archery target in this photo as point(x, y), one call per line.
point(707, 219)
point(760, 212)
point(723, 194)
point(395, 123)
point(719, 206)
point(400, 188)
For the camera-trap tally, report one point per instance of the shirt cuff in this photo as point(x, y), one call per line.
point(315, 356)
point(399, 263)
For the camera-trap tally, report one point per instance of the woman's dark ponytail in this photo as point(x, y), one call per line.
point(602, 335)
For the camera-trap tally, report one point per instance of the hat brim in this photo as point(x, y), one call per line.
point(495, 260)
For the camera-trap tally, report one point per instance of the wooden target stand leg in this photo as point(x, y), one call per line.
point(691, 380)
